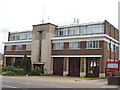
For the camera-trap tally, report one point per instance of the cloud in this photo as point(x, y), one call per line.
point(3, 30)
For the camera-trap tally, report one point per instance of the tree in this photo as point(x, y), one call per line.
point(26, 64)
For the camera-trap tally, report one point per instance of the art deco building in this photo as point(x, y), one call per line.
point(74, 50)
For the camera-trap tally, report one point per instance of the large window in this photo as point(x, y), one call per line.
point(19, 47)
point(74, 45)
point(80, 30)
point(9, 48)
point(58, 46)
point(20, 36)
point(92, 44)
point(28, 47)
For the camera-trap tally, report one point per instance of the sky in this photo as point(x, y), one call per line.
point(20, 15)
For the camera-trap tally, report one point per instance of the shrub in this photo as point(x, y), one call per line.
point(19, 71)
point(4, 73)
point(11, 68)
point(11, 73)
point(34, 73)
point(8, 73)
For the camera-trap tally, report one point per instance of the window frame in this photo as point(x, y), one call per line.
point(28, 49)
point(11, 46)
point(74, 45)
point(19, 49)
point(58, 46)
point(93, 43)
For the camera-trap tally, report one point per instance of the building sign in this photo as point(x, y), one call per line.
point(111, 65)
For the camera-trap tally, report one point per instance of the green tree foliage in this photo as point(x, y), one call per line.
point(26, 64)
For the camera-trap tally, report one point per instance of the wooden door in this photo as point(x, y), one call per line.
point(74, 67)
point(58, 66)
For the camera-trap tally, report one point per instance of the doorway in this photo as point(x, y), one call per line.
point(92, 67)
point(58, 66)
point(74, 67)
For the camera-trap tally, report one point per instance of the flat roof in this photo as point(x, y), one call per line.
point(82, 24)
point(20, 32)
point(44, 24)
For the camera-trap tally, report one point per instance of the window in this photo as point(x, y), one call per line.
point(74, 45)
point(76, 29)
point(58, 46)
point(9, 48)
point(111, 47)
point(28, 47)
point(114, 48)
point(29, 35)
point(84, 29)
point(19, 47)
point(93, 44)
point(21, 36)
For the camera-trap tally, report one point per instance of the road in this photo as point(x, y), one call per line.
point(53, 82)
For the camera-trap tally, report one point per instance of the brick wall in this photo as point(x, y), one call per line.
point(111, 30)
point(14, 52)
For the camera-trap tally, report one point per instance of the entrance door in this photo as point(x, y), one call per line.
point(74, 67)
point(58, 66)
point(92, 67)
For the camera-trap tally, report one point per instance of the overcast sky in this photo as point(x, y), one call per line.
point(20, 15)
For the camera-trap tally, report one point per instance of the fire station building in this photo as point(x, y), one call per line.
point(74, 50)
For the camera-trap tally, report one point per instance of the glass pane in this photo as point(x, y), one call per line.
point(94, 44)
point(19, 47)
point(28, 47)
point(9, 48)
point(90, 44)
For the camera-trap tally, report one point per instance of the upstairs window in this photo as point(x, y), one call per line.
point(28, 47)
point(58, 46)
point(20, 36)
point(92, 44)
point(74, 45)
point(9, 48)
point(19, 47)
point(80, 30)
point(111, 47)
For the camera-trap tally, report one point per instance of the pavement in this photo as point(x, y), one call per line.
point(53, 82)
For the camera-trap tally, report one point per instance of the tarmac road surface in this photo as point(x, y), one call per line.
point(53, 82)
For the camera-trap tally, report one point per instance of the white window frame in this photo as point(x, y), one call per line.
point(74, 45)
point(20, 49)
point(8, 46)
point(112, 48)
point(58, 46)
point(92, 42)
point(28, 47)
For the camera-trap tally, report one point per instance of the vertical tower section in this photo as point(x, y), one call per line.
point(41, 45)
